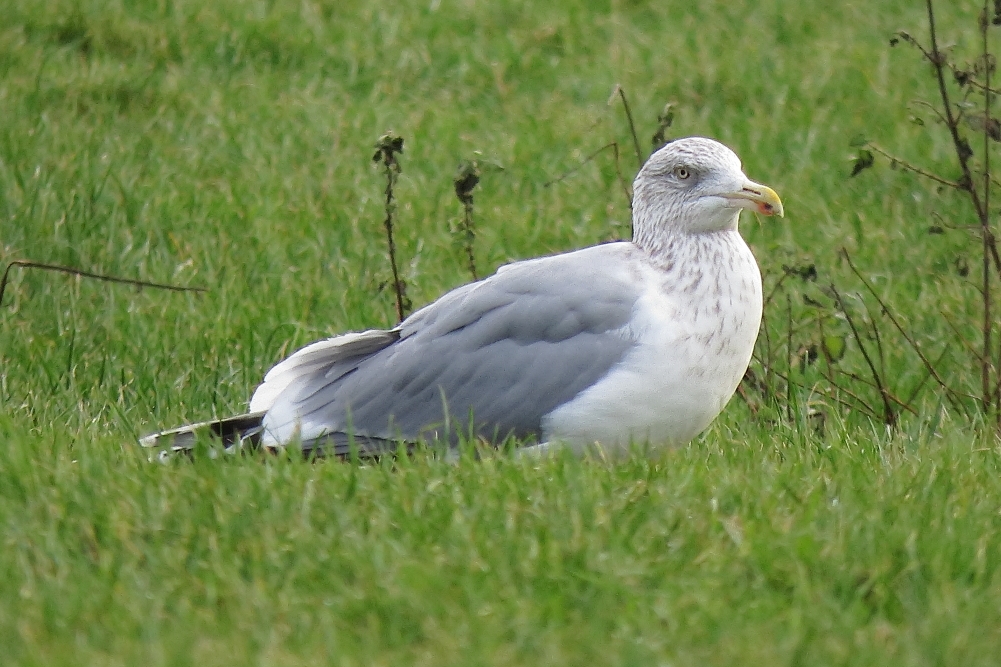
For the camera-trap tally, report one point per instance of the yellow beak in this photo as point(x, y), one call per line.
point(756, 197)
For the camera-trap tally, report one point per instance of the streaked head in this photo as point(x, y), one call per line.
point(695, 185)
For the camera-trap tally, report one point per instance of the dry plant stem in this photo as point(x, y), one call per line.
point(889, 415)
point(385, 151)
point(855, 377)
point(788, 355)
point(778, 283)
point(973, 83)
point(747, 401)
point(632, 125)
point(859, 401)
point(828, 361)
point(960, 337)
point(920, 385)
point(904, 164)
point(865, 407)
point(87, 274)
point(469, 234)
point(990, 244)
point(930, 107)
point(938, 61)
point(903, 332)
point(875, 335)
point(768, 364)
point(390, 180)
point(994, 255)
point(465, 181)
point(618, 171)
point(990, 393)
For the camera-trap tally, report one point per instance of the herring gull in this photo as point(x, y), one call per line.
point(640, 341)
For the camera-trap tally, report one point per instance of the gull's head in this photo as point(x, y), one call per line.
point(695, 185)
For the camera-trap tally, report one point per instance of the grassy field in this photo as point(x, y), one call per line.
point(228, 145)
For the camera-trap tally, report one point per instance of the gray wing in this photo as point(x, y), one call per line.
point(488, 359)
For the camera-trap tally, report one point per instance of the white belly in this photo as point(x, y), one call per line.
point(692, 348)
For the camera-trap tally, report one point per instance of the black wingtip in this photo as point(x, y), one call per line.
point(238, 430)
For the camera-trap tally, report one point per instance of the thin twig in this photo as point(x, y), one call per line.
point(828, 360)
point(88, 274)
point(788, 355)
point(768, 365)
point(466, 179)
point(938, 59)
point(961, 338)
point(903, 332)
point(629, 116)
point(664, 121)
point(747, 401)
point(973, 83)
point(614, 145)
point(907, 166)
point(916, 44)
point(931, 108)
point(786, 272)
point(879, 340)
point(889, 416)
point(386, 149)
point(858, 378)
point(988, 327)
point(865, 406)
point(917, 389)
point(868, 409)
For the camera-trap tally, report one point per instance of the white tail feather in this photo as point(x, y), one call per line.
point(315, 356)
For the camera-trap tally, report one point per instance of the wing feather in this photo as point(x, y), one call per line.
point(488, 360)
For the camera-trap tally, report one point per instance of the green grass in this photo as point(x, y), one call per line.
point(228, 145)
point(780, 551)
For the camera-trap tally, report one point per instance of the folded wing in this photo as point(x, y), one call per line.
point(487, 360)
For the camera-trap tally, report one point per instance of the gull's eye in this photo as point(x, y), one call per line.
point(682, 173)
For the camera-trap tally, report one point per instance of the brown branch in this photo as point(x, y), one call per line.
point(767, 336)
point(769, 370)
point(973, 83)
point(465, 181)
point(938, 59)
point(917, 389)
point(614, 145)
point(907, 166)
point(916, 44)
point(629, 116)
point(87, 274)
point(931, 108)
point(858, 378)
point(959, 336)
point(988, 327)
point(871, 411)
point(768, 352)
point(889, 416)
point(385, 151)
point(903, 332)
point(861, 402)
point(879, 340)
point(778, 283)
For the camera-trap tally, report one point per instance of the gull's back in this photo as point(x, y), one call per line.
point(490, 359)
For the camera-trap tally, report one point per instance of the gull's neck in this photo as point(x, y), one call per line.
point(667, 237)
point(677, 250)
